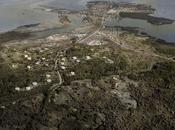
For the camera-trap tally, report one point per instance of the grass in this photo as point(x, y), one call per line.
point(22, 77)
point(9, 36)
point(154, 94)
point(95, 68)
point(162, 48)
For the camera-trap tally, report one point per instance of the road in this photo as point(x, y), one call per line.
point(55, 86)
point(118, 42)
point(134, 50)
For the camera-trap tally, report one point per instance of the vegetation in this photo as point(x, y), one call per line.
point(97, 67)
point(155, 96)
point(162, 47)
point(93, 102)
point(9, 36)
point(146, 16)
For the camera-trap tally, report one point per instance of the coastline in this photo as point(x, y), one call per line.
point(79, 74)
point(137, 32)
point(145, 16)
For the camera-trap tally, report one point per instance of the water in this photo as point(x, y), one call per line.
point(164, 8)
point(75, 22)
point(165, 32)
point(14, 13)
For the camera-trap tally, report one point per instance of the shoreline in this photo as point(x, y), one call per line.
point(83, 75)
point(133, 15)
point(17, 35)
point(145, 16)
point(136, 31)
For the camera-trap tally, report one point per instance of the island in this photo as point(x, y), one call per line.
point(88, 76)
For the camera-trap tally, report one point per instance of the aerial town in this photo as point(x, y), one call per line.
point(89, 75)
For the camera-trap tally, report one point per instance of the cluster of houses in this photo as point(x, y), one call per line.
point(98, 8)
point(58, 37)
point(48, 76)
point(63, 64)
